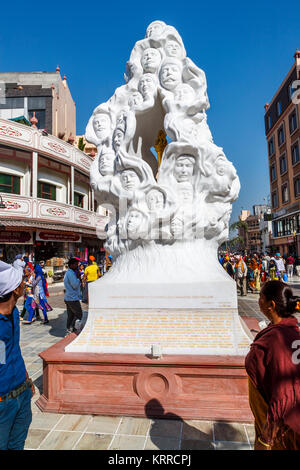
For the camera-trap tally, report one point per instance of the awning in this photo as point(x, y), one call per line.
point(31, 225)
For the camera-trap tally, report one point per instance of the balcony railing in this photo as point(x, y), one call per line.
point(29, 138)
point(44, 210)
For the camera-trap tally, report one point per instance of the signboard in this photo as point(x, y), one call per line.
point(45, 236)
point(18, 237)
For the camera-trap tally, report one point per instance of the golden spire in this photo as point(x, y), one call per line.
point(160, 145)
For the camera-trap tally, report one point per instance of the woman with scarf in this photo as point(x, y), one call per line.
point(273, 368)
point(41, 291)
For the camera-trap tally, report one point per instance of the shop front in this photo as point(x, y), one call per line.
point(13, 242)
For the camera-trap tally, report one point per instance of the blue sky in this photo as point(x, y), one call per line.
point(245, 49)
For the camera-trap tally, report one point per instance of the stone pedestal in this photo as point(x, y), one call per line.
point(158, 298)
point(189, 386)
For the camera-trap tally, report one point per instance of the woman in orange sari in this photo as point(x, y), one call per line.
point(273, 367)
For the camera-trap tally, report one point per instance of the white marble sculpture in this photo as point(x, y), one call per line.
point(195, 184)
point(167, 220)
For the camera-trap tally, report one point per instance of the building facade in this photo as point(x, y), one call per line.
point(283, 144)
point(49, 211)
point(43, 95)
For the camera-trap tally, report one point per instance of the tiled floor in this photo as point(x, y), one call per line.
point(58, 431)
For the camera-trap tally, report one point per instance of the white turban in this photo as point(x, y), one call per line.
point(10, 278)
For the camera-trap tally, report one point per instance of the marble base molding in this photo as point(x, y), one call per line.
point(175, 386)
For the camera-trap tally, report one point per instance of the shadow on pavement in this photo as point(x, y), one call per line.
point(191, 437)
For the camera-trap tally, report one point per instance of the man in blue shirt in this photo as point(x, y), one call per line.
point(16, 388)
point(72, 284)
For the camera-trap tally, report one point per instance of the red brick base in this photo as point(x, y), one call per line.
point(189, 387)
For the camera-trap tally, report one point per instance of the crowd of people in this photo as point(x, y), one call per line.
point(272, 364)
point(251, 272)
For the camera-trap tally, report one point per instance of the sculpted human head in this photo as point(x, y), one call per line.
point(155, 200)
point(173, 48)
point(184, 94)
point(118, 138)
point(106, 162)
point(222, 177)
point(134, 221)
point(130, 179)
point(170, 73)
point(147, 85)
point(184, 168)
point(102, 125)
point(155, 29)
point(150, 60)
point(135, 99)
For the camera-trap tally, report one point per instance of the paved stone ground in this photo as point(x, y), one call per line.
point(86, 432)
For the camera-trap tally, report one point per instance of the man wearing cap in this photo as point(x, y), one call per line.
point(16, 389)
point(72, 284)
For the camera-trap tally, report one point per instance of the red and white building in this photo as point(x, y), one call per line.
point(49, 210)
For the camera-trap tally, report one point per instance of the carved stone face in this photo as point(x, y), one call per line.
point(130, 179)
point(184, 94)
point(147, 85)
point(154, 29)
point(184, 168)
point(150, 60)
point(172, 49)
point(106, 163)
point(155, 200)
point(117, 139)
point(101, 125)
point(170, 76)
point(135, 99)
point(221, 181)
point(134, 221)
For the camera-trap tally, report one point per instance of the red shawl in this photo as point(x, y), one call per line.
point(273, 369)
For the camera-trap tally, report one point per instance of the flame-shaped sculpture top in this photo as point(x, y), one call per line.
point(189, 196)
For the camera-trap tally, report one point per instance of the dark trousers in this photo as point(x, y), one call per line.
point(74, 313)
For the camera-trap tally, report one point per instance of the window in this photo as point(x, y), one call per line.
point(297, 186)
point(274, 199)
point(95, 205)
point(283, 164)
point(269, 122)
point(295, 153)
point(281, 136)
point(12, 103)
point(78, 199)
point(9, 184)
point(291, 91)
point(293, 122)
point(47, 191)
point(271, 146)
point(273, 172)
point(37, 104)
point(279, 108)
point(284, 193)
